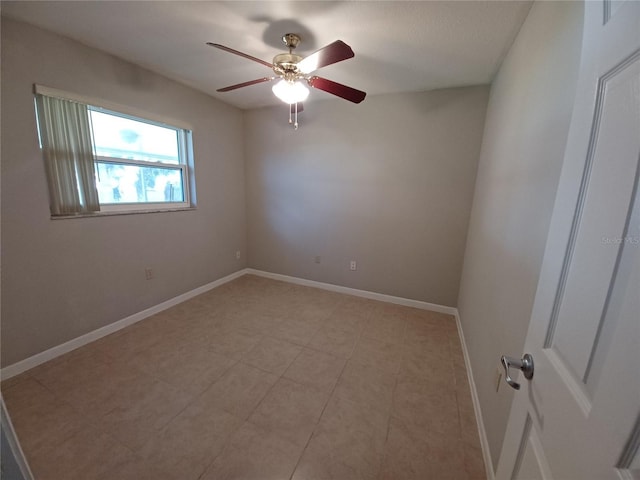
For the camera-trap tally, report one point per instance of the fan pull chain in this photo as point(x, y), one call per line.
point(293, 116)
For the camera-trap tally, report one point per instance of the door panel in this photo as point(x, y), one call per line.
point(594, 250)
point(531, 464)
point(582, 406)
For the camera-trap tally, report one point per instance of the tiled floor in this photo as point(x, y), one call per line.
point(257, 379)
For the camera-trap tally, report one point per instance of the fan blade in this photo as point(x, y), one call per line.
point(293, 107)
point(236, 52)
point(244, 84)
point(335, 88)
point(332, 53)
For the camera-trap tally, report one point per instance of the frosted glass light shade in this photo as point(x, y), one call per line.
point(290, 92)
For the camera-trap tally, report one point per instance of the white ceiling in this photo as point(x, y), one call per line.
point(400, 46)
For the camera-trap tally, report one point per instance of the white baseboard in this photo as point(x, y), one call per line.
point(407, 302)
point(484, 442)
point(50, 354)
point(35, 360)
point(42, 357)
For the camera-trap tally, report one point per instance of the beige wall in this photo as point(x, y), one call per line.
point(522, 150)
point(387, 183)
point(64, 278)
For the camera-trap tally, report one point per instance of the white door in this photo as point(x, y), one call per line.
point(578, 418)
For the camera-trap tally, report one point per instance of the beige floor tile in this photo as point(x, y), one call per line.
point(239, 391)
point(166, 398)
point(358, 307)
point(190, 442)
point(307, 311)
point(428, 366)
point(366, 385)
point(234, 344)
point(254, 454)
point(142, 410)
point(423, 324)
point(348, 443)
point(342, 416)
point(86, 455)
point(191, 368)
point(432, 340)
point(98, 387)
point(137, 469)
point(61, 375)
point(272, 354)
point(9, 382)
point(46, 425)
point(335, 341)
point(474, 462)
point(27, 393)
point(462, 380)
point(386, 329)
point(468, 425)
point(431, 457)
point(384, 356)
point(128, 342)
point(291, 410)
point(295, 331)
point(317, 369)
point(316, 466)
point(346, 321)
point(426, 409)
point(254, 320)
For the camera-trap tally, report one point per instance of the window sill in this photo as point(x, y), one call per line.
point(123, 212)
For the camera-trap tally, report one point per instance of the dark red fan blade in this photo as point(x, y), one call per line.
point(348, 93)
point(293, 107)
point(236, 52)
point(332, 53)
point(244, 84)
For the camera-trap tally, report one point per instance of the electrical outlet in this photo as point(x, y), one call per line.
point(237, 254)
point(148, 273)
point(352, 265)
point(317, 259)
point(498, 378)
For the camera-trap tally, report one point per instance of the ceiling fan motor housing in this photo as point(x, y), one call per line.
point(286, 65)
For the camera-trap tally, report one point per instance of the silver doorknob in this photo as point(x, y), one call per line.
point(525, 364)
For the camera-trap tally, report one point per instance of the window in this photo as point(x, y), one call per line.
point(138, 161)
point(123, 162)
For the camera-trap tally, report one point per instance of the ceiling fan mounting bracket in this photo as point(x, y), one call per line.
point(291, 40)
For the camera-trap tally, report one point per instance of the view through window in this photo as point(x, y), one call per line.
point(138, 161)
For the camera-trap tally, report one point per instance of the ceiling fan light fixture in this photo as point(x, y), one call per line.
point(290, 91)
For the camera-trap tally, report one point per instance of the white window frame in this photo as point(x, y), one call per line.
point(185, 153)
point(183, 136)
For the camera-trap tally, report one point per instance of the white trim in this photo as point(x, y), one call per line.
point(484, 441)
point(35, 360)
point(407, 302)
point(116, 107)
point(42, 357)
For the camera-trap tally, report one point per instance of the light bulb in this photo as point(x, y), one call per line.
point(290, 92)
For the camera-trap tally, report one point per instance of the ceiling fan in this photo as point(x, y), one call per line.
point(294, 71)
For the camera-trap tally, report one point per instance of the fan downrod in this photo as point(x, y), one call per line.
point(285, 65)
